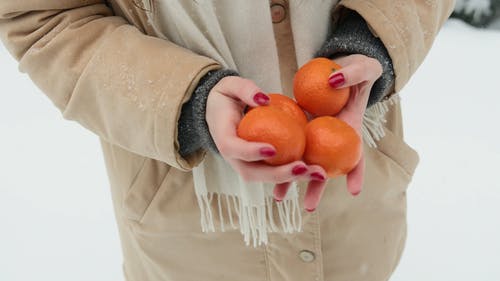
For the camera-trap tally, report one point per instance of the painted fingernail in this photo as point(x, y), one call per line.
point(261, 99)
point(336, 80)
point(317, 176)
point(311, 210)
point(356, 193)
point(267, 152)
point(299, 170)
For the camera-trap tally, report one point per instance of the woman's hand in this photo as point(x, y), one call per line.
point(225, 105)
point(360, 73)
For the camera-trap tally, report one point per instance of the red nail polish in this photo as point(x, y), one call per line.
point(317, 176)
point(267, 152)
point(299, 170)
point(336, 80)
point(261, 99)
point(311, 210)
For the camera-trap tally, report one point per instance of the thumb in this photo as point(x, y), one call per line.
point(243, 90)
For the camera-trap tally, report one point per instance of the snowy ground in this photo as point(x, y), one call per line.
point(55, 207)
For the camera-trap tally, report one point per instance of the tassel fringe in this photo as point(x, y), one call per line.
point(254, 221)
point(374, 120)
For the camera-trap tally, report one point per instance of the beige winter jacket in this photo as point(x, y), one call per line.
point(103, 65)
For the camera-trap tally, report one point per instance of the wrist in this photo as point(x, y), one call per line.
point(193, 132)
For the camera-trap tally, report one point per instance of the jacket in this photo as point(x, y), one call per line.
point(105, 65)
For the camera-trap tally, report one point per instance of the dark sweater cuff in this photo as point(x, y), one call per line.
point(193, 132)
point(352, 36)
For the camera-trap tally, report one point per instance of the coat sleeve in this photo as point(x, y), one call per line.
point(407, 28)
point(98, 70)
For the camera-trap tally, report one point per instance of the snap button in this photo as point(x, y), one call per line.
point(307, 256)
point(278, 12)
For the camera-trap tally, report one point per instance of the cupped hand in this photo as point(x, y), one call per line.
point(225, 106)
point(358, 72)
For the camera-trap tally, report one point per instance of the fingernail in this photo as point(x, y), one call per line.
point(317, 176)
point(261, 99)
point(267, 152)
point(299, 170)
point(356, 193)
point(336, 80)
point(311, 210)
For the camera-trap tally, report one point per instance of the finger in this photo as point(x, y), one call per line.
point(313, 195)
point(357, 70)
point(258, 171)
point(301, 171)
point(353, 111)
point(355, 177)
point(317, 181)
point(315, 172)
point(242, 89)
point(280, 190)
point(237, 148)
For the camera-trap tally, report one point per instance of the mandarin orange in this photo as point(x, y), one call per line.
point(269, 125)
point(288, 106)
point(333, 144)
point(312, 91)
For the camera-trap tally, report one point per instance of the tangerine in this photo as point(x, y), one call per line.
point(269, 125)
point(312, 91)
point(333, 144)
point(288, 106)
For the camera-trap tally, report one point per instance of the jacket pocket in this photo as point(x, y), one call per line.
point(394, 148)
point(373, 224)
point(144, 188)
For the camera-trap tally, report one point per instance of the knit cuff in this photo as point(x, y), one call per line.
point(477, 15)
point(353, 36)
point(193, 133)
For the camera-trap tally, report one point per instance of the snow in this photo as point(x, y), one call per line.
point(56, 211)
point(55, 206)
point(451, 114)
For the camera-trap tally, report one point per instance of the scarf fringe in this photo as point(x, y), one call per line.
point(374, 120)
point(254, 221)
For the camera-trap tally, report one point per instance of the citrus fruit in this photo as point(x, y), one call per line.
point(288, 106)
point(269, 125)
point(312, 91)
point(333, 144)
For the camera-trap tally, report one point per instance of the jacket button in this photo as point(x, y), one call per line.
point(307, 256)
point(278, 12)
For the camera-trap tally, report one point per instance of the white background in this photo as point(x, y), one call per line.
point(56, 216)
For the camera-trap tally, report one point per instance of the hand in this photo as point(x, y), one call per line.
point(360, 73)
point(225, 105)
